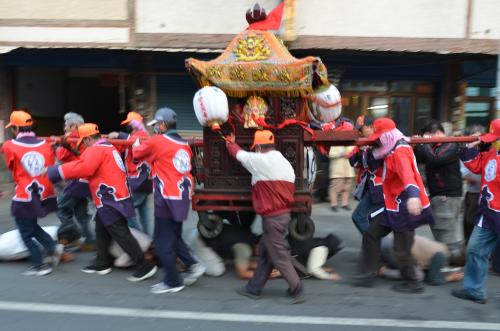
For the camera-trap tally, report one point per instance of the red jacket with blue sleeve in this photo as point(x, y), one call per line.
point(138, 172)
point(26, 158)
point(401, 181)
point(63, 154)
point(78, 188)
point(367, 181)
point(170, 158)
point(487, 164)
point(101, 165)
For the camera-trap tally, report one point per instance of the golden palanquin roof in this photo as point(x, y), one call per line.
point(257, 62)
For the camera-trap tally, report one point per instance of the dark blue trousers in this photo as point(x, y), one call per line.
point(30, 230)
point(169, 245)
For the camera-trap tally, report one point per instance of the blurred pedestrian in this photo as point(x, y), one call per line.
point(406, 207)
point(237, 243)
point(368, 183)
point(170, 158)
point(26, 156)
point(483, 157)
point(472, 188)
point(444, 181)
point(273, 189)
point(310, 256)
point(341, 177)
point(138, 173)
point(430, 257)
point(101, 165)
point(72, 202)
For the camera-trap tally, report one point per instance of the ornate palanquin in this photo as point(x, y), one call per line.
point(262, 80)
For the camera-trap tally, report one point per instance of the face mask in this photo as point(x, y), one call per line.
point(156, 129)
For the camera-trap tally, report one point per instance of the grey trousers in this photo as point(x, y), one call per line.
point(448, 228)
point(273, 253)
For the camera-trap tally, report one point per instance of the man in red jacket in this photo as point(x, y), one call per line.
point(170, 158)
point(485, 161)
point(406, 203)
point(138, 173)
point(273, 189)
point(101, 165)
point(26, 157)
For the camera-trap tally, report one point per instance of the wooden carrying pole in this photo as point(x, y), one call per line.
point(328, 138)
point(193, 141)
point(350, 138)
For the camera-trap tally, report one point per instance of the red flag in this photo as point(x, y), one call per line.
point(273, 20)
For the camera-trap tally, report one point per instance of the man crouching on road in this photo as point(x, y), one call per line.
point(101, 165)
point(273, 188)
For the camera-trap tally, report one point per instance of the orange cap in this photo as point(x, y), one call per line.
point(19, 118)
point(132, 116)
point(263, 137)
point(87, 130)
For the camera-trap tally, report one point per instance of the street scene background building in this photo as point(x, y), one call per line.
point(410, 60)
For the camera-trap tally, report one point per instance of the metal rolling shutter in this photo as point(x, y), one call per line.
point(176, 92)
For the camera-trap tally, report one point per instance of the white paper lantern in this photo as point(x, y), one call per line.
point(328, 104)
point(211, 107)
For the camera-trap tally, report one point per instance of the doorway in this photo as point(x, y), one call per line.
point(99, 98)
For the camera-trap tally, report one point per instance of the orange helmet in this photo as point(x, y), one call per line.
point(132, 116)
point(19, 118)
point(263, 137)
point(87, 130)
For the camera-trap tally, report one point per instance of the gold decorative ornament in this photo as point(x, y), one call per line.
point(213, 72)
point(260, 74)
point(237, 73)
point(251, 47)
point(282, 75)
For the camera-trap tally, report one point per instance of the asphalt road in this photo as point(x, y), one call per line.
point(71, 300)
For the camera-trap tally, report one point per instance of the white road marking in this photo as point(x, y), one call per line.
point(239, 318)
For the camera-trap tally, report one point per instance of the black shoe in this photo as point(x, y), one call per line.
point(409, 287)
point(143, 273)
point(94, 269)
point(334, 208)
point(244, 292)
point(296, 299)
point(463, 294)
point(346, 208)
point(364, 280)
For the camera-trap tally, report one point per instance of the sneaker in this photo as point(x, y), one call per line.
point(194, 272)
point(334, 209)
point(463, 294)
point(56, 256)
point(409, 287)
point(244, 292)
point(143, 273)
point(164, 288)
point(100, 270)
point(41, 270)
point(346, 208)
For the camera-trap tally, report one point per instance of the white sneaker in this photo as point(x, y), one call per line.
point(56, 256)
point(192, 275)
point(41, 270)
point(164, 288)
